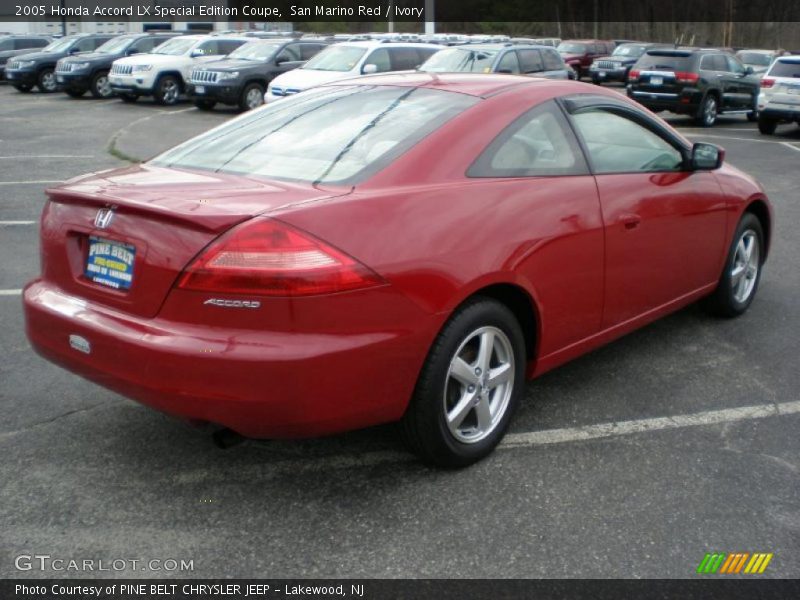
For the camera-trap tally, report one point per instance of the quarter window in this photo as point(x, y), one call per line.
point(509, 63)
point(538, 144)
point(552, 60)
point(617, 144)
point(404, 59)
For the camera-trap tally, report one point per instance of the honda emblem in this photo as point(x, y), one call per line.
point(103, 218)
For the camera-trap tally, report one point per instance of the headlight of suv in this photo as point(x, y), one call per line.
point(137, 68)
point(25, 64)
point(223, 75)
point(80, 66)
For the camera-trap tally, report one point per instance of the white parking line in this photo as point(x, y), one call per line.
point(14, 223)
point(605, 430)
point(791, 145)
point(10, 292)
point(37, 182)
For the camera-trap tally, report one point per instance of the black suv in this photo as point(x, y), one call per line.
point(698, 82)
point(13, 45)
point(615, 67)
point(38, 68)
point(76, 75)
point(242, 77)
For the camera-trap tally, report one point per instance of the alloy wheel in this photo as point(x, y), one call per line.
point(479, 385)
point(170, 91)
point(710, 111)
point(49, 81)
point(254, 98)
point(103, 87)
point(746, 262)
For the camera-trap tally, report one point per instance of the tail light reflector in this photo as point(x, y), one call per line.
point(268, 258)
point(633, 74)
point(767, 82)
point(684, 77)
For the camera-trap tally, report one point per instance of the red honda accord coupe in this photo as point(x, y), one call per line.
point(393, 248)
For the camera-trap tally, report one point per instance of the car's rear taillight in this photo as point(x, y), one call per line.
point(767, 82)
point(685, 77)
point(633, 75)
point(269, 258)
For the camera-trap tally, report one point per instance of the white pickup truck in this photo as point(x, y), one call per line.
point(163, 72)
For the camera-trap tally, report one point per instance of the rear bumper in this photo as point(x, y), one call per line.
point(684, 102)
point(262, 384)
point(226, 94)
point(781, 112)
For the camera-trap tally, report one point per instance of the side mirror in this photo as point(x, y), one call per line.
point(281, 60)
point(369, 69)
point(748, 70)
point(706, 157)
point(198, 52)
point(73, 50)
point(133, 51)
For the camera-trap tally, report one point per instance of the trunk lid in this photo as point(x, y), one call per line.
point(162, 218)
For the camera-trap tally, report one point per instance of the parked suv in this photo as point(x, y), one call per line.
point(350, 59)
point(779, 100)
point(540, 61)
point(699, 82)
point(38, 68)
point(580, 54)
point(164, 72)
point(14, 45)
point(76, 75)
point(243, 76)
point(616, 66)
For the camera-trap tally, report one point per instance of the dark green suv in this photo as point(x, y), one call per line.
point(702, 83)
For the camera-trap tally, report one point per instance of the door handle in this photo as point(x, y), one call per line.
point(630, 220)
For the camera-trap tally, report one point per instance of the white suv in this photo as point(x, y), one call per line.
point(163, 72)
point(350, 59)
point(779, 100)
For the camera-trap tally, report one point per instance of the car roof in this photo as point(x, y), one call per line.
point(790, 59)
point(756, 51)
point(387, 43)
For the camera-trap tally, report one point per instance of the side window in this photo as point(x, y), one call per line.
point(530, 61)
point(209, 48)
point(84, 45)
point(97, 42)
point(404, 59)
point(379, 58)
point(308, 51)
point(720, 63)
point(537, 144)
point(509, 63)
point(618, 144)
point(593, 48)
point(7, 45)
point(734, 65)
point(552, 60)
point(37, 43)
point(143, 45)
point(228, 46)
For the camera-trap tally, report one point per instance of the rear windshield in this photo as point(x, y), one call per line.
point(337, 135)
point(667, 62)
point(756, 59)
point(630, 50)
point(785, 68)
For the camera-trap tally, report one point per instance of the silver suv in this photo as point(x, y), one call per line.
point(779, 98)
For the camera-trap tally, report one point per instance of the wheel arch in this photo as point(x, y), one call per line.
point(176, 74)
point(759, 208)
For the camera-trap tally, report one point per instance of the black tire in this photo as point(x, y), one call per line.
point(723, 301)
point(167, 90)
point(72, 93)
point(23, 87)
point(205, 104)
point(424, 427)
point(128, 98)
point(767, 126)
point(251, 88)
point(708, 111)
point(97, 88)
point(46, 81)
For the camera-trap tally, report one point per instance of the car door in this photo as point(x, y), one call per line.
point(664, 225)
point(743, 88)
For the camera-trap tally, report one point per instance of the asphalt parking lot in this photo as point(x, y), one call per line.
point(633, 461)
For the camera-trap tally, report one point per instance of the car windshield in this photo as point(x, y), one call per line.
point(336, 58)
point(255, 51)
point(59, 45)
point(632, 50)
point(785, 68)
point(755, 59)
point(176, 46)
point(340, 134)
point(568, 48)
point(668, 62)
point(115, 45)
point(460, 60)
